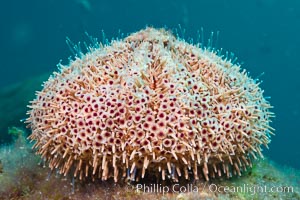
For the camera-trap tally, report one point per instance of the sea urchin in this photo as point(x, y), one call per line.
point(150, 104)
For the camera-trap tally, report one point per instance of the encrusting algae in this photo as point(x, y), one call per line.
point(150, 104)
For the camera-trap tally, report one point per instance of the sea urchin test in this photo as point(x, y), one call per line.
point(150, 105)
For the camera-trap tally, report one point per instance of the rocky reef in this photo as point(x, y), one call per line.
point(26, 177)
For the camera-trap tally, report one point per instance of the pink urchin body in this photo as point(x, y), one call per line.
point(150, 104)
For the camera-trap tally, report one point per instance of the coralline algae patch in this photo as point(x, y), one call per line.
point(150, 104)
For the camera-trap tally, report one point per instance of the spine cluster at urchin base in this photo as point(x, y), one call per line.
point(150, 103)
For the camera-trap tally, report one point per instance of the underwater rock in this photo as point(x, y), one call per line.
point(13, 101)
point(1, 168)
point(25, 179)
point(150, 104)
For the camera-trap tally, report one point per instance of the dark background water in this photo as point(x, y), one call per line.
point(262, 33)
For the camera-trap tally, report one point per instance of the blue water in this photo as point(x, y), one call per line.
point(263, 34)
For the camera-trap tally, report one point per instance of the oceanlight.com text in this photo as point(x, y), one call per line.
point(245, 188)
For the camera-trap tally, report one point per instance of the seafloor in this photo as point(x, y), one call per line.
point(23, 175)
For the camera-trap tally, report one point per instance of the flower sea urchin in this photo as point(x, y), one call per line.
point(150, 103)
